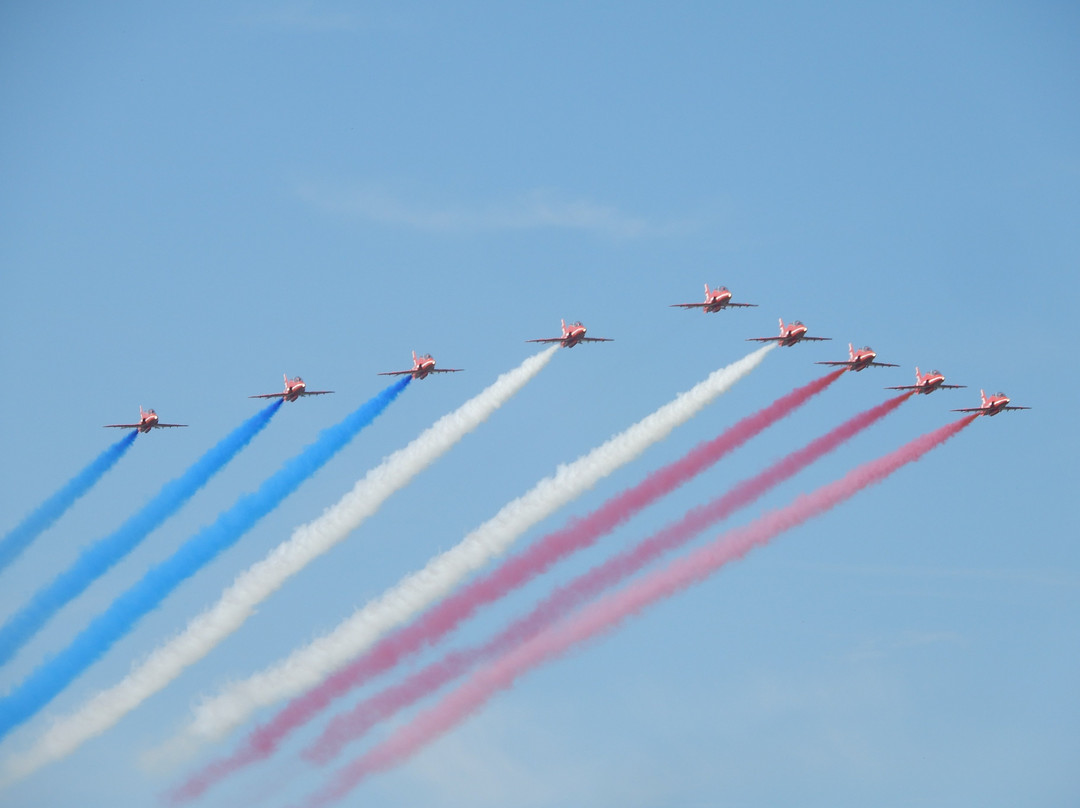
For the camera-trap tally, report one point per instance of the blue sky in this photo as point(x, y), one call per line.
point(196, 200)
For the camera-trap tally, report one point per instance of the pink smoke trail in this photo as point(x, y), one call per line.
point(352, 724)
point(609, 612)
point(439, 620)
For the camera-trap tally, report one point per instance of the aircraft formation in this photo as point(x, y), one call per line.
point(354, 636)
point(574, 333)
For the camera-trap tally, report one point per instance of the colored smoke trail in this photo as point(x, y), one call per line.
point(20, 537)
point(97, 559)
point(250, 588)
point(307, 666)
point(578, 534)
point(609, 612)
point(120, 617)
point(585, 587)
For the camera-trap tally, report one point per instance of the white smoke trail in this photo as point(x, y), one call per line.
point(258, 582)
point(308, 665)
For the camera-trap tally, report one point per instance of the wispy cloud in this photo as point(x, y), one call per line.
point(881, 647)
point(536, 209)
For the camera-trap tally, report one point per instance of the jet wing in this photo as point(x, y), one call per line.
point(595, 339)
point(849, 364)
point(316, 392)
point(269, 395)
point(704, 305)
point(446, 370)
point(780, 339)
point(122, 426)
point(549, 339)
point(162, 426)
point(396, 373)
point(986, 410)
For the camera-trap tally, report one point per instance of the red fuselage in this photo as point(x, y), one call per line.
point(861, 359)
point(148, 421)
point(792, 333)
point(716, 299)
point(422, 367)
point(929, 382)
point(994, 404)
point(572, 334)
point(294, 388)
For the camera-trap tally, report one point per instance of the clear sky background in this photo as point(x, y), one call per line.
point(196, 199)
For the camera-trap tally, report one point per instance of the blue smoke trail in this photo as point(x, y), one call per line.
point(56, 673)
point(54, 507)
point(98, 558)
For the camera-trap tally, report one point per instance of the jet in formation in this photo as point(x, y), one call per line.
point(860, 360)
point(571, 335)
point(992, 404)
point(789, 334)
point(715, 300)
point(148, 419)
point(421, 367)
point(294, 389)
point(926, 383)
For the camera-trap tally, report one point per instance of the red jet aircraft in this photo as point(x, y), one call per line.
point(860, 360)
point(715, 300)
point(571, 335)
point(294, 388)
point(421, 367)
point(926, 383)
point(789, 334)
point(992, 405)
point(148, 419)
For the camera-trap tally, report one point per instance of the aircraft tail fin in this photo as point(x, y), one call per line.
point(850, 351)
point(982, 395)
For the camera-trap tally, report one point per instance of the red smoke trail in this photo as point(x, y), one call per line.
point(609, 612)
point(354, 723)
point(513, 572)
